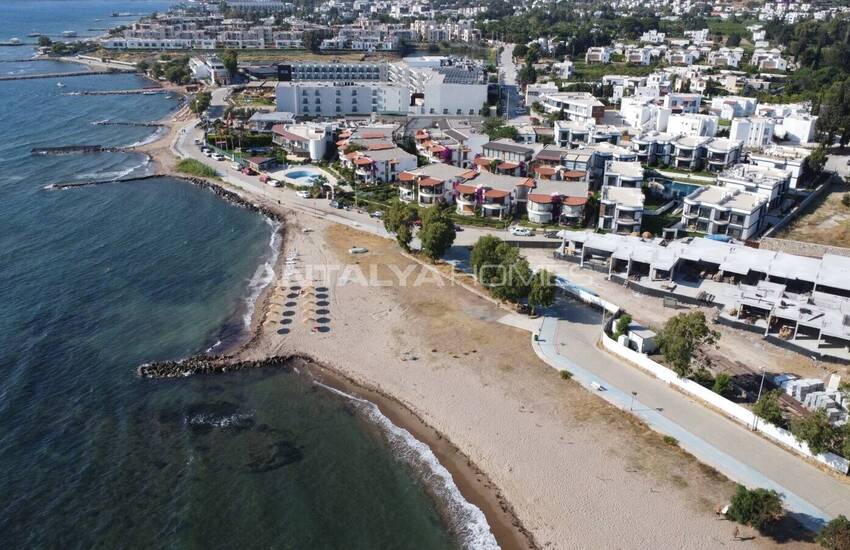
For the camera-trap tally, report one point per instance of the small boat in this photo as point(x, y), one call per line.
point(357, 250)
point(34, 34)
point(60, 84)
point(69, 34)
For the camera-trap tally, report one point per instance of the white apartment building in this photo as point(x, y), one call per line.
point(729, 107)
point(533, 92)
point(692, 125)
point(598, 54)
point(572, 134)
point(770, 183)
point(682, 103)
point(577, 106)
point(654, 148)
point(382, 162)
point(623, 174)
point(726, 57)
point(620, 209)
point(325, 99)
point(563, 69)
point(653, 37)
point(755, 132)
point(769, 60)
point(310, 140)
point(782, 157)
point(720, 211)
point(638, 56)
point(431, 184)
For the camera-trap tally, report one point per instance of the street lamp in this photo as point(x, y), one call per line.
point(755, 416)
point(632, 405)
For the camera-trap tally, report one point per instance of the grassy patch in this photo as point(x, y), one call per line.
point(194, 167)
point(670, 440)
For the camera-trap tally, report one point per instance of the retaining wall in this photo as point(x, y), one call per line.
point(733, 410)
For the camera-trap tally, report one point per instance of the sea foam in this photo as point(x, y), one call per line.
point(467, 521)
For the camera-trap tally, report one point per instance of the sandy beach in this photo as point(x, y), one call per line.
point(549, 464)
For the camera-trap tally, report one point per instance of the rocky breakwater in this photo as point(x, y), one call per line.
point(217, 364)
point(232, 197)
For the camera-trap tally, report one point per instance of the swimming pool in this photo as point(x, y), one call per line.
point(301, 174)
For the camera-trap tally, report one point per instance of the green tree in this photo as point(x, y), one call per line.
point(767, 407)
point(816, 431)
point(683, 335)
point(143, 66)
point(44, 41)
point(622, 325)
point(230, 60)
point(722, 384)
point(542, 291)
point(513, 282)
point(312, 40)
point(835, 535)
point(398, 220)
point(437, 233)
point(484, 256)
point(757, 507)
point(520, 51)
point(200, 102)
point(317, 187)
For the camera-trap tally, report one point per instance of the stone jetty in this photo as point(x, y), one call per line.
point(77, 150)
point(215, 364)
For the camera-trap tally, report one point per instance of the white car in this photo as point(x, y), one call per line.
point(218, 156)
point(236, 166)
point(518, 231)
point(357, 250)
point(208, 153)
point(303, 194)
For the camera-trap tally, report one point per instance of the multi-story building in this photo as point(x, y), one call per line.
point(682, 103)
point(769, 60)
point(492, 195)
point(721, 211)
point(431, 184)
point(755, 132)
point(533, 92)
point(721, 153)
point(729, 107)
point(577, 106)
point(308, 141)
point(598, 54)
point(620, 209)
point(623, 174)
point(692, 125)
point(654, 148)
point(638, 56)
point(770, 183)
point(326, 99)
point(726, 57)
point(380, 163)
point(572, 134)
point(782, 157)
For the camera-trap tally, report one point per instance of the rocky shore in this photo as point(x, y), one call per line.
point(219, 190)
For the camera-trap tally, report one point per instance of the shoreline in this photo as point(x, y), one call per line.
point(435, 419)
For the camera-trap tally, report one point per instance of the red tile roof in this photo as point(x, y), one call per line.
point(574, 201)
point(496, 193)
point(539, 198)
point(469, 174)
point(507, 165)
point(545, 170)
point(362, 161)
point(574, 174)
point(380, 146)
point(406, 176)
point(429, 182)
point(465, 189)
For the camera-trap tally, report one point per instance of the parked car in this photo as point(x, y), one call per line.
point(207, 152)
point(197, 141)
point(303, 194)
point(357, 250)
point(218, 156)
point(336, 204)
point(376, 214)
point(273, 182)
point(236, 166)
point(551, 234)
point(518, 231)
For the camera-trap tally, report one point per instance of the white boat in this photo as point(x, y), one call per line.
point(69, 34)
point(60, 85)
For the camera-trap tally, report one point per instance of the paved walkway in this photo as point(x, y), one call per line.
point(567, 341)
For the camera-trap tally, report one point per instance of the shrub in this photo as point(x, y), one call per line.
point(195, 168)
point(670, 440)
point(622, 325)
point(722, 384)
point(757, 507)
point(836, 534)
point(767, 407)
point(565, 375)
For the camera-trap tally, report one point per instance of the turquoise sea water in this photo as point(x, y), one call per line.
point(95, 281)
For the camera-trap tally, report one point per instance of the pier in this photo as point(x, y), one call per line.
point(140, 91)
point(63, 75)
point(128, 123)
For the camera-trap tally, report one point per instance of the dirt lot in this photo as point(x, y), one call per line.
point(826, 221)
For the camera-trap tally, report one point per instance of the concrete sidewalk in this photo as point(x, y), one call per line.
point(567, 341)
